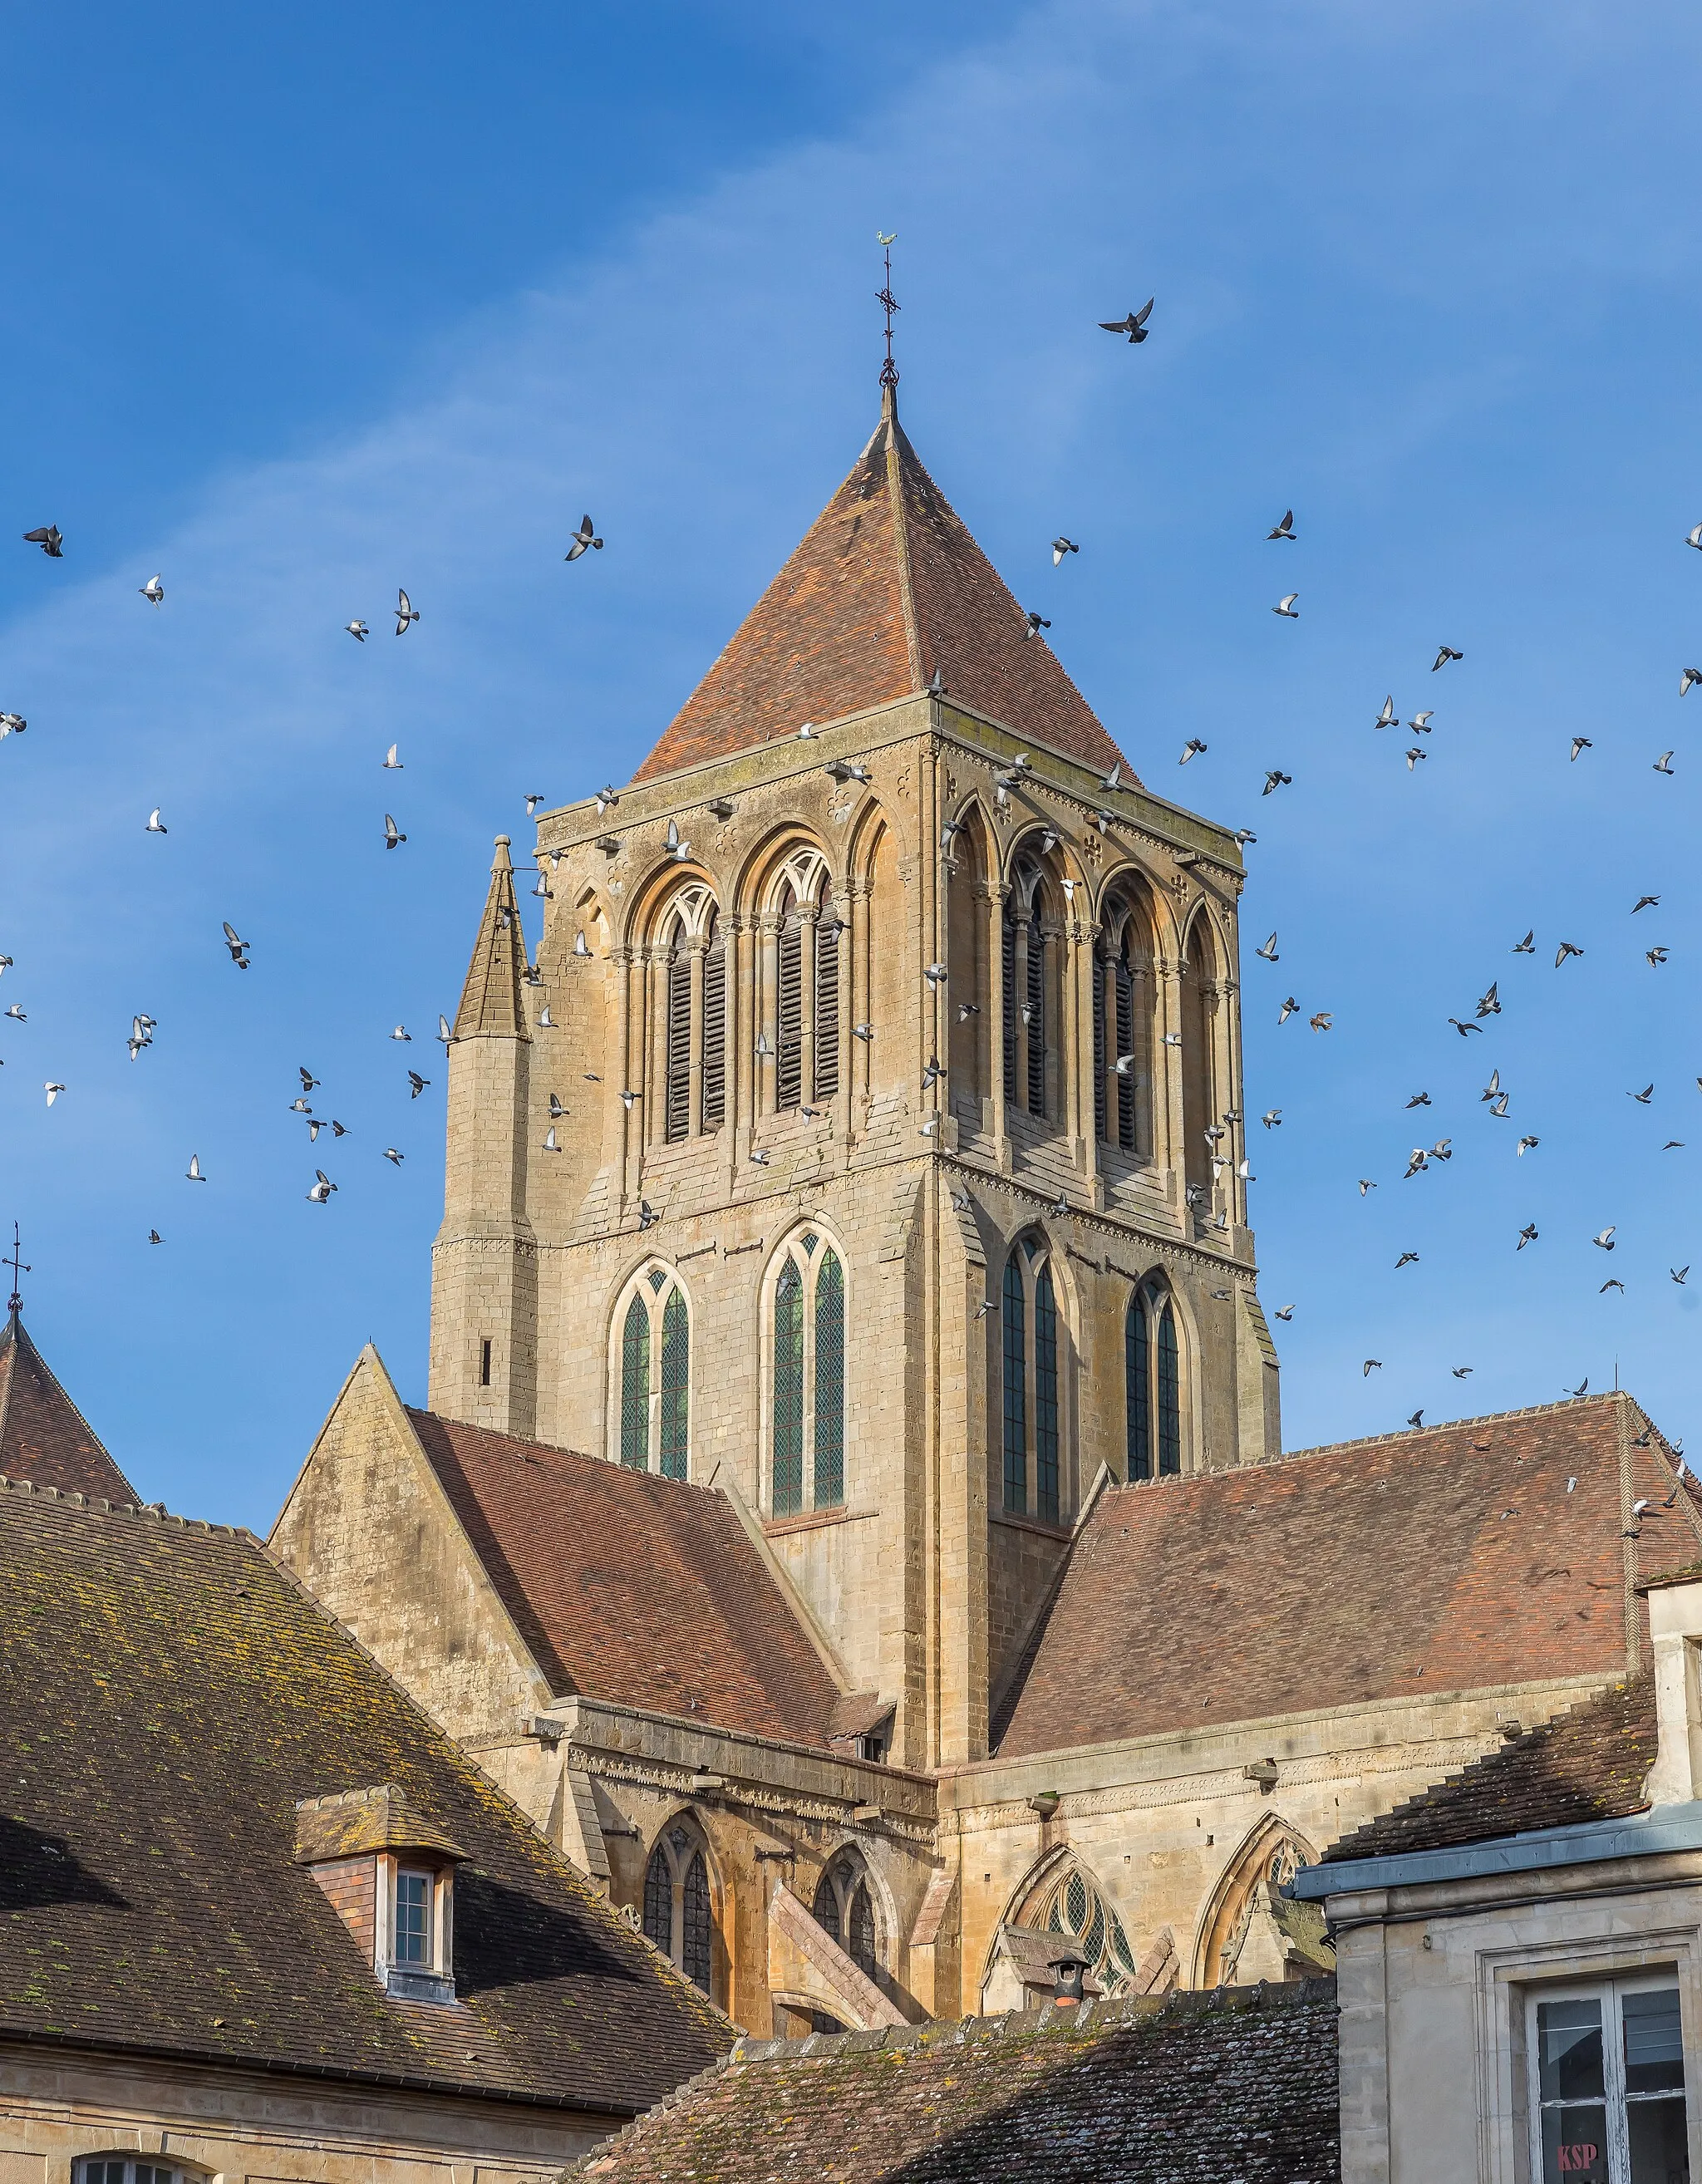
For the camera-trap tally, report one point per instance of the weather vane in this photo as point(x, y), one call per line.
point(887, 302)
point(14, 1303)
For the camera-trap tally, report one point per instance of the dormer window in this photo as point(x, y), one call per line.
point(389, 1874)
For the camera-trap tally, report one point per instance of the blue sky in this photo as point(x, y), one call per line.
point(304, 307)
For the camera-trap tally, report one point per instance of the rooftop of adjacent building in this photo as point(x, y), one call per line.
point(171, 1697)
point(44, 1436)
point(1234, 2088)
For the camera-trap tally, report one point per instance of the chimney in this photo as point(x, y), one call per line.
point(1067, 1970)
point(1674, 1627)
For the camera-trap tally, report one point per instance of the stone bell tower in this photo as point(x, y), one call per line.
point(866, 1138)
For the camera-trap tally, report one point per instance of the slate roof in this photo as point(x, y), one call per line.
point(629, 1587)
point(43, 1435)
point(886, 587)
point(1447, 1559)
point(1238, 2087)
point(170, 1694)
point(1588, 1764)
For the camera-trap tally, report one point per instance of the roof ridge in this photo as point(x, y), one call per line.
point(101, 1504)
point(552, 1448)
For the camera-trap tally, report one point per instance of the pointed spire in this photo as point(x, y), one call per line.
point(886, 588)
point(44, 1436)
point(493, 1005)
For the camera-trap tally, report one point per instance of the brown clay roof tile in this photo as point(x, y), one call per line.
point(628, 1587)
point(887, 587)
point(1447, 1559)
point(44, 1436)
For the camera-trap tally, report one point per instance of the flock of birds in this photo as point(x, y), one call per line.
point(1496, 1097)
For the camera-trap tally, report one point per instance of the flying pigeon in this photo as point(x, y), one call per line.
point(1277, 780)
point(238, 948)
point(1192, 748)
point(1419, 722)
point(1490, 1005)
point(1661, 764)
point(1655, 957)
point(406, 612)
point(52, 1090)
point(1444, 653)
point(1060, 547)
point(13, 724)
point(1527, 1145)
point(549, 1143)
point(1527, 1236)
point(1565, 948)
point(1644, 1097)
point(1286, 608)
point(1268, 951)
point(417, 1083)
point(320, 1192)
point(154, 825)
point(443, 1032)
point(1413, 757)
point(1365, 1184)
point(1460, 1372)
point(1580, 744)
point(358, 630)
point(1285, 1312)
point(154, 591)
point(1605, 1239)
point(1406, 1259)
point(1416, 1421)
point(1419, 1100)
point(192, 1172)
point(1694, 538)
point(1289, 1008)
point(1272, 1119)
point(49, 539)
point(392, 837)
point(400, 1034)
point(585, 540)
point(1135, 325)
point(1678, 1274)
point(1321, 1021)
point(1462, 1028)
point(1388, 718)
point(1645, 902)
point(1527, 946)
point(393, 763)
point(1611, 1283)
point(391, 1154)
point(1372, 1365)
point(1036, 623)
point(1688, 680)
point(17, 1014)
point(155, 1237)
point(1286, 528)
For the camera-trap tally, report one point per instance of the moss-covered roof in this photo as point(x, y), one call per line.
point(169, 1696)
point(1238, 2087)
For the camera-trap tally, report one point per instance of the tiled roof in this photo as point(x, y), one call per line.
point(492, 999)
point(1586, 1764)
point(170, 1695)
point(44, 1436)
point(1235, 2088)
point(632, 1588)
point(1463, 1556)
point(887, 586)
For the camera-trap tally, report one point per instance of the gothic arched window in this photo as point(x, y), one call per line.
point(845, 1911)
point(1030, 1408)
point(678, 1909)
point(1072, 1904)
point(1199, 1074)
point(1122, 1030)
point(807, 1460)
point(1031, 984)
point(806, 928)
point(1152, 1384)
point(653, 1375)
point(690, 958)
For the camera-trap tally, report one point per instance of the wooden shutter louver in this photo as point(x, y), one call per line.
point(826, 1040)
point(715, 1032)
point(789, 1061)
point(1036, 1023)
point(678, 1116)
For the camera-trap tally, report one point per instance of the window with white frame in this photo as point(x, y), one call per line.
point(1608, 2083)
point(652, 1374)
point(807, 1406)
point(124, 2169)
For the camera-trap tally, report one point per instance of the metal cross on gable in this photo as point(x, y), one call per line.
point(14, 1303)
point(889, 304)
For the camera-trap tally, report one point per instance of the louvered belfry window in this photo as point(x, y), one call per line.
point(653, 1376)
point(1035, 1023)
point(789, 976)
point(1101, 971)
point(715, 1029)
point(1012, 1021)
point(826, 1044)
point(678, 1062)
point(1128, 1085)
point(808, 1430)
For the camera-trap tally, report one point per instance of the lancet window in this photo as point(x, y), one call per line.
point(690, 962)
point(1199, 997)
point(845, 1911)
point(808, 1427)
point(1029, 1333)
point(1152, 1384)
point(1123, 1029)
point(1072, 1904)
point(807, 932)
point(653, 1375)
point(679, 1909)
point(1030, 943)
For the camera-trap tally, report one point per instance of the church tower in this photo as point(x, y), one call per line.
point(866, 1139)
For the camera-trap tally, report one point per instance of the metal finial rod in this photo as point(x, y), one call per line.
point(14, 1303)
point(889, 304)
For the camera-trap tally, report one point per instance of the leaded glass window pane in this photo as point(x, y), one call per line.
point(1045, 1397)
point(658, 1902)
point(696, 1923)
point(1137, 1392)
point(860, 1945)
point(635, 1387)
point(789, 1392)
point(1170, 1395)
point(676, 1385)
point(1015, 1316)
point(827, 1905)
point(830, 1383)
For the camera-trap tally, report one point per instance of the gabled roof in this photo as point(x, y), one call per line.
point(1589, 1763)
point(44, 1436)
point(631, 1588)
point(1462, 1556)
point(1235, 2087)
point(171, 1696)
point(887, 587)
point(491, 999)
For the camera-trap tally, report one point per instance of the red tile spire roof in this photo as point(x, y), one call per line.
point(887, 588)
point(44, 1436)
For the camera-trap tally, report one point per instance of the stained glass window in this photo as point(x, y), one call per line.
point(1136, 1390)
point(1075, 1907)
point(1169, 1393)
point(829, 1407)
point(676, 1385)
point(696, 1924)
point(635, 1387)
point(789, 1392)
point(1014, 1314)
point(659, 1901)
point(1045, 1397)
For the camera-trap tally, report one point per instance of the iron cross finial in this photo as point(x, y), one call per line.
point(14, 1303)
point(889, 304)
